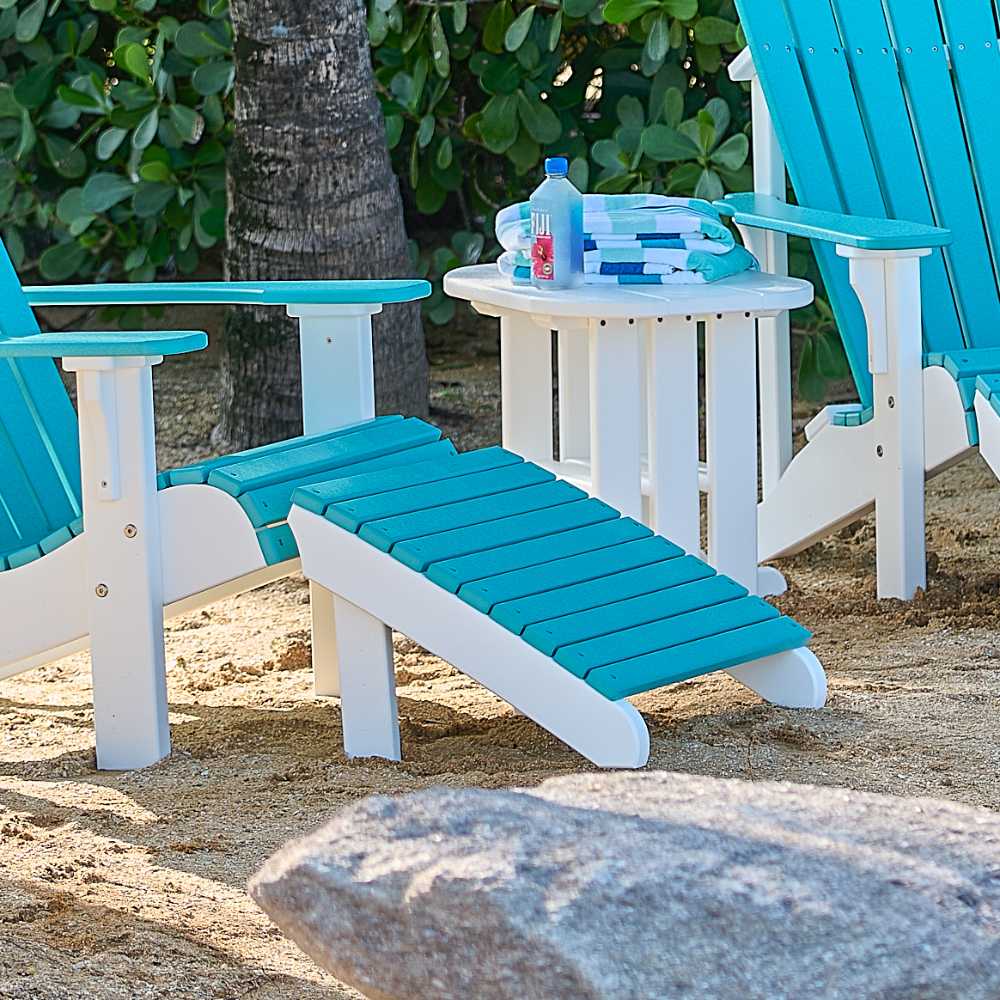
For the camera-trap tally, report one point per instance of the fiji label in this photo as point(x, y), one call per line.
point(542, 249)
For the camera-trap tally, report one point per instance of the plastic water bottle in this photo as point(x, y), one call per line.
point(556, 229)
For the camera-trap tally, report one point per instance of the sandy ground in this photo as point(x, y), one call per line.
point(132, 885)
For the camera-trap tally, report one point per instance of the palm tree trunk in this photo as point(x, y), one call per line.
point(312, 195)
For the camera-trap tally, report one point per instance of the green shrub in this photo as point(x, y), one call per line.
point(114, 116)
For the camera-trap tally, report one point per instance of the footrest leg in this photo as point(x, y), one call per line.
point(795, 679)
point(367, 684)
point(325, 659)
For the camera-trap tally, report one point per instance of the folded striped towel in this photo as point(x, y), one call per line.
point(633, 239)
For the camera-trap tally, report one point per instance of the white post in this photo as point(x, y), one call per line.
point(672, 390)
point(574, 395)
point(775, 358)
point(526, 387)
point(368, 685)
point(338, 388)
point(888, 285)
point(616, 414)
point(731, 433)
point(124, 575)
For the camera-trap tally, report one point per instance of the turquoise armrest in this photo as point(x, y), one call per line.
point(231, 293)
point(767, 212)
point(102, 345)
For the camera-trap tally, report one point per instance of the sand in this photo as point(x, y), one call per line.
point(133, 885)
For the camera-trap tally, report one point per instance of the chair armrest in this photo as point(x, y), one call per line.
point(102, 345)
point(767, 212)
point(281, 293)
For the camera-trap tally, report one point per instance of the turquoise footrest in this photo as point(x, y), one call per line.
point(612, 603)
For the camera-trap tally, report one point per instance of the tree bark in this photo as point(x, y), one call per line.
point(312, 195)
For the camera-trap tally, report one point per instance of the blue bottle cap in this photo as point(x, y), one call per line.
point(556, 166)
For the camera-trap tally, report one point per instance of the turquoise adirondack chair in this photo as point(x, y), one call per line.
point(882, 112)
point(551, 598)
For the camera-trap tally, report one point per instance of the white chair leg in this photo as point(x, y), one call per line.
point(795, 679)
point(325, 659)
point(367, 684)
point(124, 572)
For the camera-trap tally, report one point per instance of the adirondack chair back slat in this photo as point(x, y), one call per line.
point(39, 450)
point(873, 122)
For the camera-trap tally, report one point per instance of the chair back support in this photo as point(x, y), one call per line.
point(39, 450)
point(883, 108)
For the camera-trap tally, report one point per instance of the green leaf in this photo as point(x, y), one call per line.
point(459, 16)
point(197, 41)
point(444, 153)
point(393, 130)
point(67, 159)
point(539, 119)
point(109, 141)
point(630, 111)
point(439, 46)
point(608, 154)
point(425, 132)
point(151, 199)
point(212, 77)
point(665, 144)
point(811, 384)
point(733, 153)
point(498, 124)
point(709, 186)
point(133, 57)
point(624, 11)
point(468, 246)
point(519, 28)
point(524, 153)
point(714, 31)
point(145, 131)
point(29, 22)
point(579, 8)
point(658, 39)
point(555, 31)
point(103, 191)
point(33, 89)
point(189, 124)
point(62, 261)
point(579, 173)
point(684, 10)
point(721, 116)
point(495, 30)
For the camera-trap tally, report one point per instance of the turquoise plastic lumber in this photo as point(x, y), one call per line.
point(853, 419)
point(277, 543)
point(967, 392)
point(489, 487)
point(869, 50)
point(200, 471)
point(970, 28)
point(809, 162)
point(620, 680)
point(451, 574)
point(231, 292)
point(934, 111)
point(485, 511)
point(485, 594)
point(972, 362)
point(100, 345)
point(518, 615)
point(21, 557)
point(581, 658)
point(356, 484)
point(972, 425)
point(988, 385)
point(271, 504)
point(315, 456)
point(766, 212)
point(609, 619)
point(418, 553)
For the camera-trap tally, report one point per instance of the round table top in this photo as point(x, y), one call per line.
point(753, 292)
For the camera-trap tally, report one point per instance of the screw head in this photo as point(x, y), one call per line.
point(880, 451)
point(102, 590)
point(892, 402)
point(131, 531)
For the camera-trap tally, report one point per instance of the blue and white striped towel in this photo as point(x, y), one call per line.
point(634, 239)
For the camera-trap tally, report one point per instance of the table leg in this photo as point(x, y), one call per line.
point(731, 417)
point(615, 414)
point(526, 387)
point(672, 409)
point(574, 396)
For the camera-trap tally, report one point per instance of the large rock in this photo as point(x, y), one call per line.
point(647, 886)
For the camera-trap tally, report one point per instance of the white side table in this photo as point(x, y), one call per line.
point(628, 373)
